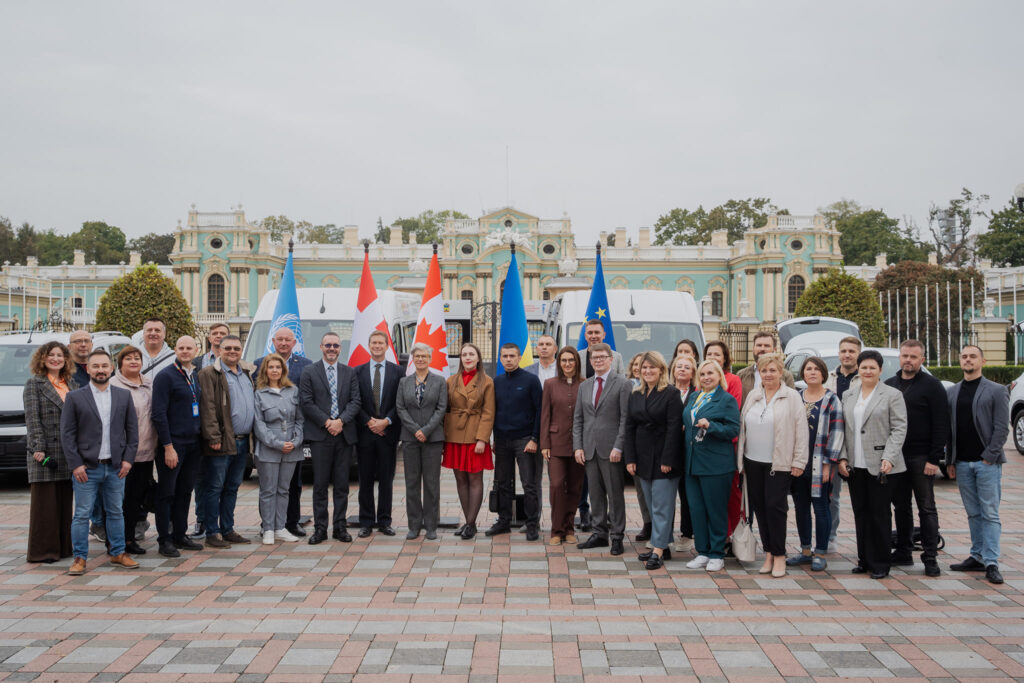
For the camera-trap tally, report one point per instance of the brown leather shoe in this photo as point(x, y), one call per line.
point(570, 539)
point(235, 537)
point(216, 541)
point(77, 567)
point(125, 561)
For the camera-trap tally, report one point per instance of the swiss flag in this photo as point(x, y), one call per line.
point(430, 329)
point(369, 317)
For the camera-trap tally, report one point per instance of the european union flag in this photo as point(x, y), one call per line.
point(286, 310)
point(513, 316)
point(597, 308)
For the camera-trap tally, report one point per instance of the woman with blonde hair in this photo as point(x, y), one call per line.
point(711, 420)
point(653, 451)
point(683, 373)
point(278, 427)
point(772, 450)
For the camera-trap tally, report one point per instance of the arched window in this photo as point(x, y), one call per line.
point(796, 288)
point(215, 294)
point(466, 295)
point(717, 301)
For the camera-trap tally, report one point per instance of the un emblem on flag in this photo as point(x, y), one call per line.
point(292, 322)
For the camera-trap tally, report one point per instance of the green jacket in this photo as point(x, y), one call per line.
point(716, 453)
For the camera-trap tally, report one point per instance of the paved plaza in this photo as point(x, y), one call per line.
point(386, 609)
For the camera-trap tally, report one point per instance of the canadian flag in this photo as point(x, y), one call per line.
point(430, 328)
point(369, 317)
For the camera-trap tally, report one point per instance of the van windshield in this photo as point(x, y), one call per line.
point(14, 364)
point(635, 337)
point(312, 331)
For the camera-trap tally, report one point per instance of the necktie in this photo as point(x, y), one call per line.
point(600, 385)
point(332, 384)
point(376, 388)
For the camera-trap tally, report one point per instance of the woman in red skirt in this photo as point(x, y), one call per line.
point(467, 433)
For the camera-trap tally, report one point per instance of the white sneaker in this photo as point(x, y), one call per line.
point(698, 562)
point(268, 538)
point(286, 536)
point(683, 545)
point(716, 564)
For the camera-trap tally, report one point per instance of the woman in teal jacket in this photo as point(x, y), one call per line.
point(711, 420)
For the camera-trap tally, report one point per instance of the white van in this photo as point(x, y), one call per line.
point(16, 349)
point(642, 320)
point(332, 309)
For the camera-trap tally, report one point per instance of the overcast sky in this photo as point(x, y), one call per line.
point(613, 112)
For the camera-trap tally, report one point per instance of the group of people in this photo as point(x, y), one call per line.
point(726, 446)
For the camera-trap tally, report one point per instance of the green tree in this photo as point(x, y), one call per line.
point(1003, 242)
point(101, 242)
point(278, 227)
point(736, 216)
point(950, 227)
point(682, 226)
point(426, 226)
point(840, 210)
point(868, 233)
point(319, 234)
point(144, 293)
point(53, 249)
point(153, 248)
point(382, 234)
point(8, 240)
point(841, 295)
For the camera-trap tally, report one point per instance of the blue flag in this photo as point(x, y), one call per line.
point(286, 310)
point(597, 309)
point(513, 316)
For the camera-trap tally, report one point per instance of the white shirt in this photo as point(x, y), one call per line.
point(760, 430)
point(603, 384)
point(102, 398)
point(383, 373)
point(858, 422)
point(544, 374)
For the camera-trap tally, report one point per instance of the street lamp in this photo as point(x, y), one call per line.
point(1018, 195)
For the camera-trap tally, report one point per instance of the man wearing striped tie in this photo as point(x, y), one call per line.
point(329, 396)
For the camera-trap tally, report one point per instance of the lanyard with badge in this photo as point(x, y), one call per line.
point(191, 387)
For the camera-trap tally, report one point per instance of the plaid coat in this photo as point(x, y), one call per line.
point(43, 406)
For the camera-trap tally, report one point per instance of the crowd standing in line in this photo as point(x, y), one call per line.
point(688, 429)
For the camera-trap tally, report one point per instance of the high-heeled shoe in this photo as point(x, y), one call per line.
point(469, 531)
point(777, 571)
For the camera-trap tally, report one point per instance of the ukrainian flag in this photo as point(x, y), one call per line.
point(513, 317)
point(597, 308)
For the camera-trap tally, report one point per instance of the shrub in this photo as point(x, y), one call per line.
point(840, 295)
point(144, 293)
point(1002, 374)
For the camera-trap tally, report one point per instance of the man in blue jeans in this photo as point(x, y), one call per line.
point(100, 435)
point(980, 419)
point(227, 411)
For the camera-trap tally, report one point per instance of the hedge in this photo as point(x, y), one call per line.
point(1004, 374)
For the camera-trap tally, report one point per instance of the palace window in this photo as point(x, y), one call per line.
point(466, 295)
point(215, 294)
point(717, 303)
point(796, 288)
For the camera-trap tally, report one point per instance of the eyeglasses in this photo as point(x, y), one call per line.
point(602, 357)
point(231, 348)
point(331, 346)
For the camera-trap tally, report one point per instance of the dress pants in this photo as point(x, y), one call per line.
point(685, 521)
point(769, 500)
point(508, 453)
point(275, 478)
point(295, 496)
point(174, 490)
point(376, 463)
point(871, 501)
point(914, 482)
point(661, 493)
point(641, 500)
point(422, 465)
point(136, 486)
point(803, 501)
point(607, 501)
point(708, 496)
point(49, 521)
point(332, 459)
point(565, 478)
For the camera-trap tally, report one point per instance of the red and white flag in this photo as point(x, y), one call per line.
point(430, 329)
point(369, 317)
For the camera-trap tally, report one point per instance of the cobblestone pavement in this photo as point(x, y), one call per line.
point(386, 609)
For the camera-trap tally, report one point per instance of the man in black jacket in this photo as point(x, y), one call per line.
point(517, 398)
point(379, 429)
point(927, 431)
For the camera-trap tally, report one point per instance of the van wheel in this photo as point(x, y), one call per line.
point(1018, 431)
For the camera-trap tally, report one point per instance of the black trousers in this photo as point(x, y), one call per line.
point(685, 522)
point(332, 459)
point(174, 490)
point(377, 457)
point(769, 500)
point(507, 454)
point(871, 501)
point(294, 497)
point(915, 482)
point(136, 487)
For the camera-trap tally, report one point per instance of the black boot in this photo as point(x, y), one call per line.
point(645, 534)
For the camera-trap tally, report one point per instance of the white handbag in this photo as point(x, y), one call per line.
point(744, 543)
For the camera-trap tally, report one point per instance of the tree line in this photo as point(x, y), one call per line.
point(101, 242)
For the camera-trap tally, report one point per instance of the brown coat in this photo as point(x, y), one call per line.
point(215, 408)
point(556, 413)
point(470, 414)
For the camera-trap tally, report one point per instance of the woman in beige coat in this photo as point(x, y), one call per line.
point(772, 449)
point(467, 433)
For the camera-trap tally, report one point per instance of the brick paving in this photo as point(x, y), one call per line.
point(385, 609)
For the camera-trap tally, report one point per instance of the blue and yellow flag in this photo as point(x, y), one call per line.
point(513, 316)
point(597, 309)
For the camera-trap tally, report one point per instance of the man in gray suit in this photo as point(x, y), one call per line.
point(598, 429)
point(980, 420)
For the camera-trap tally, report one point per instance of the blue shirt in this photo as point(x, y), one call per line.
point(243, 400)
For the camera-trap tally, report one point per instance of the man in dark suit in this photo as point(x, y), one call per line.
point(329, 397)
point(284, 344)
point(379, 428)
point(100, 436)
